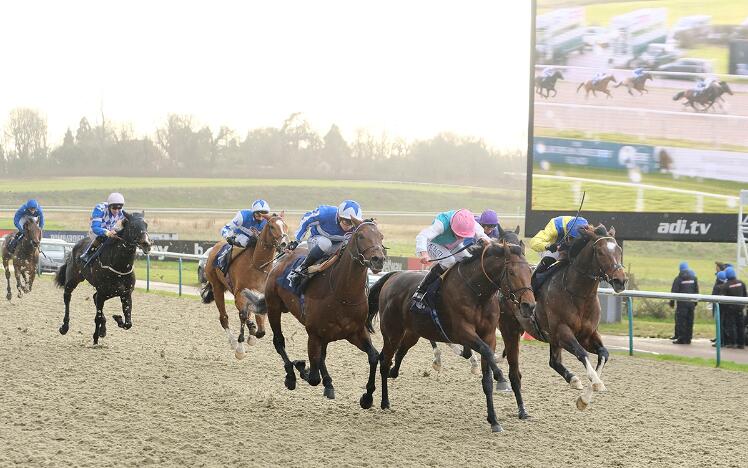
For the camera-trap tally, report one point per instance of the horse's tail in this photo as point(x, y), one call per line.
point(255, 301)
point(374, 300)
point(206, 293)
point(580, 86)
point(61, 274)
point(679, 95)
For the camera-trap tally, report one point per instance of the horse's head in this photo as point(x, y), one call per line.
point(32, 232)
point(611, 78)
point(557, 74)
point(725, 87)
point(647, 76)
point(605, 255)
point(512, 237)
point(515, 273)
point(275, 231)
point(134, 231)
point(366, 245)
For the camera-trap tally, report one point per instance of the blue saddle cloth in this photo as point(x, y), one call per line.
point(284, 282)
point(222, 258)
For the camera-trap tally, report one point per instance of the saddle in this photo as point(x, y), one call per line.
point(226, 255)
point(323, 264)
point(539, 277)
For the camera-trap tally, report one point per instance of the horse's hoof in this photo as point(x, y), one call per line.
point(127, 326)
point(290, 383)
point(329, 392)
point(575, 383)
point(475, 370)
point(503, 386)
point(523, 415)
point(385, 405)
point(366, 401)
point(437, 366)
point(581, 404)
point(496, 428)
point(394, 373)
point(118, 319)
point(240, 355)
point(251, 340)
point(598, 387)
point(313, 380)
point(9, 296)
point(63, 328)
point(260, 334)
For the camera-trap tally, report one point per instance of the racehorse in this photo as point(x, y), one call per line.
point(334, 307)
point(547, 83)
point(636, 82)
point(248, 272)
point(25, 258)
point(467, 305)
point(111, 273)
point(568, 310)
point(599, 85)
point(706, 97)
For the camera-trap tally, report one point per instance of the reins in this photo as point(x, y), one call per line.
point(597, 274)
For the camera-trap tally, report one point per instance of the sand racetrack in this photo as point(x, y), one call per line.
point(170, 392)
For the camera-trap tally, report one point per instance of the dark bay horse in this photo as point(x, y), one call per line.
point(547, 84)
point(111, 273)
point(334, 308)
point(568, 310)
point(599, 85)
point(468, 311)
point(25, 258)
point(636, 82)
point(248, 272)
point(706, 97)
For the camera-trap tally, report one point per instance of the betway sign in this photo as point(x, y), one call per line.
point(688, 227)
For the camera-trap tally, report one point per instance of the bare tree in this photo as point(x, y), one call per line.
point(26, 134)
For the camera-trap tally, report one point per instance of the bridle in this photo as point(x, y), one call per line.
point(359, 255)
point(504, 285)
point(597, 273)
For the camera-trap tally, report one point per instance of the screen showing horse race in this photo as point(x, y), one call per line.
point(642, 107)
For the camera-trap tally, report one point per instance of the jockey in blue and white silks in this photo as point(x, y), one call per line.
point(598, 76)
point(704, 84)
point(31, 210)
point(104, 220)
point(244, 229)
point(327, 226)
point(638, 72)
point(547, 72)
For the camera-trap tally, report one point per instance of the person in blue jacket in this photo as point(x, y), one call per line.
point(245, 228)
point(104, 219)
point(327, 226)
point(31, 210)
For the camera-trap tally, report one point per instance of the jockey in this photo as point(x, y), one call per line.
point(638, 72)
point(244, 229)
point(598, 76)
point(550, 241)
point(28, 211)
point(489, 221)
point(104, 219)
point(547, 72)
point(705, 84)
point(327, 226)
point(445, 236)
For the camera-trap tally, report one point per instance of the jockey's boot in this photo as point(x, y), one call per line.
point(88, 254)
point(418, 296)
point(297, 274)
point(13, 242)
point(538, 274)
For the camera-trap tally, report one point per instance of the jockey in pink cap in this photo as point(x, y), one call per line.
point(443, 239)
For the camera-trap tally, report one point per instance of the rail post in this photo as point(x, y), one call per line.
point(718, 327)
point(180, 275)
point(631, 325)
point(147, 272)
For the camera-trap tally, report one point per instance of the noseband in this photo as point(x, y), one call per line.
point(597, 273)
point(359, 254)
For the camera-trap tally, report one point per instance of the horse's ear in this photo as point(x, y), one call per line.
point(282, 214)
point(356, 221)
point(516, 230)
point(612, 231)
point(267, 216)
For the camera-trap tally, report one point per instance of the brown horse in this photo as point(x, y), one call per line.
point(248, 272)
point(468, 311)
point(25, 258)
point(568, 310)
point(334, 307)
point(599, 85)
point(706, 97)
point(636, 82)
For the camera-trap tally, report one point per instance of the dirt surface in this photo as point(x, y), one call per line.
point(169, 391)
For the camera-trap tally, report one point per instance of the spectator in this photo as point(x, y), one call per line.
point(685, 283)
point(734, 321)
point(721, 278)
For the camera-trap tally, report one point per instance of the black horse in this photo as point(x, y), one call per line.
point(111, 273)
point(547, 83)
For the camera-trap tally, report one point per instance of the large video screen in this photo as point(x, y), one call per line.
point(643, 108)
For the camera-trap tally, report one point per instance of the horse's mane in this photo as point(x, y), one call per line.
point(476, 250)
point(581, 242)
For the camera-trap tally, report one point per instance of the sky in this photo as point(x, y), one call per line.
point(411, 68)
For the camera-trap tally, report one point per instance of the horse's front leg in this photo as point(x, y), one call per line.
point(487, 385)
point(314, 351)
point(99, 319)
point(279, 342)
point(9, 295)
point(571, 344)
point(19, 278)
point(556, 364)
point(126, 300)
point(363, 342)
point(594, 344)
